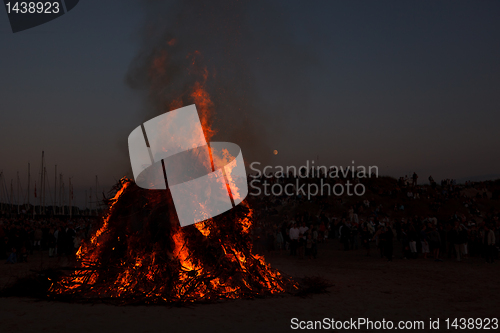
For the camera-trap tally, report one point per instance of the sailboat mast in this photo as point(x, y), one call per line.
point(44, 186)
point(55, 191)
point(70, 191)
point(96, 199)
point(29, 181)
point(41, 187)
point(18, 191)
point(11, 194)
point(60, 194)
point(90, 201)
point(62, 197)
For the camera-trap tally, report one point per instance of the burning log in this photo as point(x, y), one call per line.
point(141, 254)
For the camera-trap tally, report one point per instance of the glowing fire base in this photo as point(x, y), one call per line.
point(141, 254)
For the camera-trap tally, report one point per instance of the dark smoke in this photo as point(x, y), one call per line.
point(241, 44)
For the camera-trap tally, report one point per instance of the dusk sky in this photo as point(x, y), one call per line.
point(404, 85)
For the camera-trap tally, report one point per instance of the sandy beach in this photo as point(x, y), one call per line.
point(367, 287)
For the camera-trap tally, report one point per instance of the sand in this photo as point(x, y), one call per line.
point(368, 287)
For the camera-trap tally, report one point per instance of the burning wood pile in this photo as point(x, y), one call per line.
point(140, 254)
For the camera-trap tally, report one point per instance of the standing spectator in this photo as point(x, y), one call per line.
point(12, 258)
point(38, 237)
point(51, 242)
point(414, 178)
point(457, 241)
point(424, 241)
point(490, 243)
point(294, 239)
point(452, 240)
point(432, 182)
point(405, 242)
point(345, 234)
point(56, 235)
point(442, 235)
point(365, 239)
point(463, 237)
point(70, 240)
point(435, 241)
point(321, 234)
point(315, 237)
point(285, 232)
point(302, 230)
point(412, 241)
point(302, 237)
point(354, 236)
point(309, 246)
point(351, 213)
point(280, 241)
point(379, 239)
point(388, 243)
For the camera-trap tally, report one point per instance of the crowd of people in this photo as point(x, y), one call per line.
point(365, 224)
point(423, 237)
point(296, 225)
point(21, 237)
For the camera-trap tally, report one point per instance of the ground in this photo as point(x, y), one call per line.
point(367, 287)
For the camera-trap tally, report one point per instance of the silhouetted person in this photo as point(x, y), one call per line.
point(365, 239)
point(490, 244)
point(414, 178)
point(388, 243)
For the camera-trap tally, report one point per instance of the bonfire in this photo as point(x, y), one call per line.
point(140, 253)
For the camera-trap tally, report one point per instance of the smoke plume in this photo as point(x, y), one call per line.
point(223, 46)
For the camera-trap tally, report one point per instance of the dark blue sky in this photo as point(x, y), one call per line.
point(408, 86)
